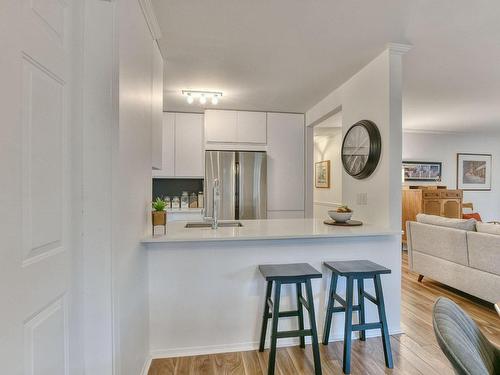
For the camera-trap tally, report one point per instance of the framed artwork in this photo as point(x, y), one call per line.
point(322, 174)
point(422, 170)
point(474, 171)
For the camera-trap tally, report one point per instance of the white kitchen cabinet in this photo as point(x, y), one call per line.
point(168, 153)
point(157, 108)
point(285, 162)
point(251, 127)
point(183, 152)
point(189, 155)
point(221, 126)
point(235, 127)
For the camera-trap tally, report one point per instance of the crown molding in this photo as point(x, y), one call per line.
point(151, 20)
point(398, 48)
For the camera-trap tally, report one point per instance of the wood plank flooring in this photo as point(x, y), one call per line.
point(415, 352)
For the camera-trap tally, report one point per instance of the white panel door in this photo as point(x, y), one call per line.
point(285, 162)
point(252, 127)
point(168, 147)
point(35, 216)
point(189, 154)
point(157, 107)
point(221, 126)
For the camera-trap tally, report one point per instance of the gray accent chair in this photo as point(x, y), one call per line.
point(468, 350)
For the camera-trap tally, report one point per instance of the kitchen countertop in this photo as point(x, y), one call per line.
point(276, 229)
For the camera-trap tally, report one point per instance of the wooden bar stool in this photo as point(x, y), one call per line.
point(298, 274)
point(358, 270)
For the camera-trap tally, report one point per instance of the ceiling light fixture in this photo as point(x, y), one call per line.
point(202, 96)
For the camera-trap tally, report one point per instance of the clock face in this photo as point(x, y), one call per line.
point(361, 149)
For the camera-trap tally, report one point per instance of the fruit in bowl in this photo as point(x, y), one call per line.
point(341, 214)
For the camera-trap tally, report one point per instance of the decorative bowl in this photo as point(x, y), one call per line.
point(340, 217)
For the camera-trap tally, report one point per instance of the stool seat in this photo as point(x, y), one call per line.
point(356, 268)
point(290, 271)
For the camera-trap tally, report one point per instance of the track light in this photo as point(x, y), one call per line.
point(202, 96)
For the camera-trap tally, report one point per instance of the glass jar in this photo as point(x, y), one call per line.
point(176, 203)
point(193, 200)
point(168, 201)
point(200, 200)
point(185, 199)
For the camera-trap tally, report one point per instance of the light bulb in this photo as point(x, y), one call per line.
point(203, 99)
point(190, 99)
point(215, 99)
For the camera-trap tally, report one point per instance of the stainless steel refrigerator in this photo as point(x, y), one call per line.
point(243, 184)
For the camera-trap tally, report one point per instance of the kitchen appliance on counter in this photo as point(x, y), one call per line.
point(243, 184)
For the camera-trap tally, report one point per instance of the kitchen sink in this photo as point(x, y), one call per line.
point(222, 224)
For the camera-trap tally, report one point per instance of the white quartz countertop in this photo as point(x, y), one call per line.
point(277, 229)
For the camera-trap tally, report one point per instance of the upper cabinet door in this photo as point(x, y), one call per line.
point(168, 154)
point(285, 162)
point(252, 127)
point(189, 155)
point(157, 108)
point(221, 126)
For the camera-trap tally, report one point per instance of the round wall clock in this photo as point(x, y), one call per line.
point(361, 149)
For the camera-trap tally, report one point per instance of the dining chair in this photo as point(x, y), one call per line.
point(460, 339)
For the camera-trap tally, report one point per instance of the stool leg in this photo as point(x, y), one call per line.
point(274, 329)
point(348, 326)
point(381, 313)
point(314, 332)
point(361, 311)
point(329, 309)
point(265, 316)
point(301, 313)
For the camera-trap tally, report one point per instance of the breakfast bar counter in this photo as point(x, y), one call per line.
point(276, 229)
point(206, 293)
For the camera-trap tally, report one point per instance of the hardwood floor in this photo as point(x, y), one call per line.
point(415, 352)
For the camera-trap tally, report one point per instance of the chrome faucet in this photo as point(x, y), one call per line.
point(216, 203)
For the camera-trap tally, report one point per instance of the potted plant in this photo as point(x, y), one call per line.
point(159, 215)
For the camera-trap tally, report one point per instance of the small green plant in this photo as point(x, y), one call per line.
point(159, 204)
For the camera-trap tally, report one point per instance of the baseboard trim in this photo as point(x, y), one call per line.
point(240, 347)
point(147, 365)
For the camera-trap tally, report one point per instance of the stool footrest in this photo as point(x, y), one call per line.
point(295, 333)
point(370, 298)
point(363, 327)
point(338, 309)
point(339, 299)
point(284, 314)
point(270, 303)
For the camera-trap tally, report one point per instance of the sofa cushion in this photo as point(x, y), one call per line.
point(441, 242)
point(484, 252)
point(463, 224)
point(488, 228)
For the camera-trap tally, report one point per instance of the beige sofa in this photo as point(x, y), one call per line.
point(464, 258)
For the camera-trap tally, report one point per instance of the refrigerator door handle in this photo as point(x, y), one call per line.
point(237, 190)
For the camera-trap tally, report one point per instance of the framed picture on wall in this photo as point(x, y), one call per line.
point(474, 171)
point(422, 170)
point(322, 174)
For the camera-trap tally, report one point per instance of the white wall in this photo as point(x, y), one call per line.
point(374, 93)
point(327, 145)
point(131, 190)
point(444, 148)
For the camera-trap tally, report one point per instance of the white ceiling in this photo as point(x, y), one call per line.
point(286, 55)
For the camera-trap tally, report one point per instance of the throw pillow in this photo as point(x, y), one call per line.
point(463, 224)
